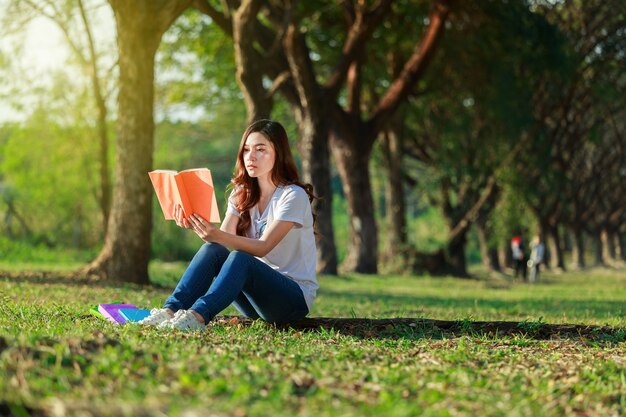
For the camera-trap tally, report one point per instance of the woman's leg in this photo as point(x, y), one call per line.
point(273, 296)
point(242, 304)
point(196, 280)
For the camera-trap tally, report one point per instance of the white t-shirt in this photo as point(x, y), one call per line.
point(295, 255)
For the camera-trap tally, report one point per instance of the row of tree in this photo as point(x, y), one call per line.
point(469, 102)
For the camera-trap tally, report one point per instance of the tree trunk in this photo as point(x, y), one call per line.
point(598, 250)
point(353, 166)
point(608, 247)
point(504, 255)
point(482, 244)
point(578, 254)
point(250, 69)
point(140, 25)
point(611, 248)
point(105, 183)
point(494, 260)
point(393, 148)
point(101, 123)
point(556, 249)
point(395, 205)
point(489, 256)
point(617, 244)
point(312, 117)
point(456, 255)
point(316, 170)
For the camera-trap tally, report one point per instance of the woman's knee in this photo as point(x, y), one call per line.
point(213, 249)
point(238, 256)
point(240, 262)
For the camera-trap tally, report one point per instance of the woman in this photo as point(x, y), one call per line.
point(270, 274)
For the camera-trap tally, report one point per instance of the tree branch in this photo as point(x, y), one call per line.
point(302, 71)
point(413, 68)
point(361, 29)
point(223, 20)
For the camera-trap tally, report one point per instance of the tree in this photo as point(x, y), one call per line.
point(474, 123)
point(140, 25)
point(464, 158)
point(353, 134)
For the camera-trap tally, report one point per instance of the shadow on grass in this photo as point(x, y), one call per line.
point(71, 278)
point(420, 328)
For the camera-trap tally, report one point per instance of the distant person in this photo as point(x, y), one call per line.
point(519, 257)
point(537, 255)
point(269, 226)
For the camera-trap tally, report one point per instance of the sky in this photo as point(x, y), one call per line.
point(44, 48)
point(43, 41)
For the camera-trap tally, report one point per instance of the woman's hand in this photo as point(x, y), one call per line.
point(179, 217)
point(205, 230)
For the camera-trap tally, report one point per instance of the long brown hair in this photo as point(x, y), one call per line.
point(284, 171)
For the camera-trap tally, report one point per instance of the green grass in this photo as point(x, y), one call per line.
point(55, 357)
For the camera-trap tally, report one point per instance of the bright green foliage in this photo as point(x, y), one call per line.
point(195, 70)
point(48, 172)
point(54, 354)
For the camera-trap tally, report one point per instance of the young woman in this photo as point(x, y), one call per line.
point(270, 274)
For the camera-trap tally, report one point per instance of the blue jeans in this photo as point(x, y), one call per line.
point(216, 278)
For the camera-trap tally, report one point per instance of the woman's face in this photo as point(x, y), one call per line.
point(258, 156)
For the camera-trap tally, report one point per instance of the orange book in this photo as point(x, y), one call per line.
point(191, 188)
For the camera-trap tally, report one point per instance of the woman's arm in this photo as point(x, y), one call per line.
point(229, 225)
point(261, 247)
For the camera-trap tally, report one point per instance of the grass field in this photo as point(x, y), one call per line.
point(56, 359)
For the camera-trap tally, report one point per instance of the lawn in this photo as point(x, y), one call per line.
point(56, 359)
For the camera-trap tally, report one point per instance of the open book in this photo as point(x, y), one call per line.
point(191, 188)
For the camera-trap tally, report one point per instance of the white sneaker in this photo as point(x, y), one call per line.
point(183, 320)
point(157, 316)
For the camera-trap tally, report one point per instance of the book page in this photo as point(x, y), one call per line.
point(166, 191)
point(184, 198)
point(201, 194)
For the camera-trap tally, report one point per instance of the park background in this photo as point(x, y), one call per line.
point(434, 131)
